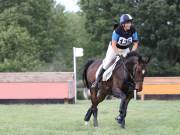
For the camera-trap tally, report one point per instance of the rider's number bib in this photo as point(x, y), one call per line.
point(123, 41)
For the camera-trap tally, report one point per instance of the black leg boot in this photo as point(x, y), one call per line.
point(95, 84)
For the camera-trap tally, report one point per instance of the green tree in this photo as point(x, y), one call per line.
point(17, 49)
point(157, 22)
point(34, 29)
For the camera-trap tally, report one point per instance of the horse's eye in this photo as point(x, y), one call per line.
point(143, 71)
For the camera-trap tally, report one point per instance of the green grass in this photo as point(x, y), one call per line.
point(143, 118)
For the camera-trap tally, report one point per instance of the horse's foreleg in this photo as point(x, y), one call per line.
point(123, 109)
point(121, 119)
point(120, 94)
point(129, 97)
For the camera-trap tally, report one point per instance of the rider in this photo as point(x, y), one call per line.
point(122, 37)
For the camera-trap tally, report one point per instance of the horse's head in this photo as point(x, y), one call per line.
point(138, 70)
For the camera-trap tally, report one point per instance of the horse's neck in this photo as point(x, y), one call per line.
point(122, 67)
point(130, 63)
point(126, 67)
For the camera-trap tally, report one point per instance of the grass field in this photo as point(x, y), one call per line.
point(144, 118)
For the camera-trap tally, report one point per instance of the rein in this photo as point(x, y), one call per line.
point(125, 68)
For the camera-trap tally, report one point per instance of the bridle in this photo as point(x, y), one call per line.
point(131, 75)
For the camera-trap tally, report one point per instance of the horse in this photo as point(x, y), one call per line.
point(127, 76)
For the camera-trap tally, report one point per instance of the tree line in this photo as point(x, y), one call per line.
point(38, 35)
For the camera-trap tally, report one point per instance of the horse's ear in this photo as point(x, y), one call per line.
point(140, 60)
point(115, 24)
point(147, 59)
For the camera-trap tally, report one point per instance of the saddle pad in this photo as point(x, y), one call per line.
point(107, 74)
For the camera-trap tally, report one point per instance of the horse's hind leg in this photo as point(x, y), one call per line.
point(94, 106)
point(88, 116)
point(95, 101)
point(92, 109)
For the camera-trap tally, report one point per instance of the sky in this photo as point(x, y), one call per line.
point(70, 5)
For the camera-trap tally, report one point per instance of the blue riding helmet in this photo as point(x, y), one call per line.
point(125, 18)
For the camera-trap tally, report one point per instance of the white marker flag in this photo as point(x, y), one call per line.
point(78, 52)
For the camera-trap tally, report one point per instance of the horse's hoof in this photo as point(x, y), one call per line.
point(96, 127)
point(95, 123)
point(123, 124)
point(86, 123)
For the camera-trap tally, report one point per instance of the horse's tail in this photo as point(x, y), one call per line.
point(84, 75)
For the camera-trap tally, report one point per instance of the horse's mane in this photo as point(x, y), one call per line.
point(132, 54)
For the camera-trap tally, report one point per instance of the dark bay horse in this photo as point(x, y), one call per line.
point(127, 76)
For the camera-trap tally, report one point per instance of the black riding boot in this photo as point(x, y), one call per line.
point(95, 84)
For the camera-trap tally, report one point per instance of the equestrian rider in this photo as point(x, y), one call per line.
point(122, 37)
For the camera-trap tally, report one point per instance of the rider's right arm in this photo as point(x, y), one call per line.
point(115, 38)
point(114, 46)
